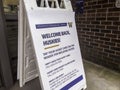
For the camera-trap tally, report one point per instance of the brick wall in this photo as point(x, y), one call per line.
point(99, 32)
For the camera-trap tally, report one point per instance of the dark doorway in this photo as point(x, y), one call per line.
point(6, 80)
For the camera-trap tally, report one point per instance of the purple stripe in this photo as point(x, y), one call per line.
point(40, 26)
point(71, 84)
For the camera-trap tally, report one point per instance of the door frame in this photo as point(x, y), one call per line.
point(4, 57)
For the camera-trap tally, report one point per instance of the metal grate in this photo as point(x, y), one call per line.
point(12, 39)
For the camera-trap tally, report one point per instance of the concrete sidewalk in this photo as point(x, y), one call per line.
point(98, 78)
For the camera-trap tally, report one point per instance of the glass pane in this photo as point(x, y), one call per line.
point(10, 6)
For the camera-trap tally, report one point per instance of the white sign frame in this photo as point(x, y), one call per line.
point(25, 73)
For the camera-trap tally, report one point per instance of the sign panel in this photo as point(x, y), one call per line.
point(48, 45)
point(57, 51)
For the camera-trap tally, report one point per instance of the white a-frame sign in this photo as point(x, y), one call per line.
point(48, 45)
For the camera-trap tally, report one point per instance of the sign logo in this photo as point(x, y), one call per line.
point(70, 24)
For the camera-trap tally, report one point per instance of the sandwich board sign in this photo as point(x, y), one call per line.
point(48, 45)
